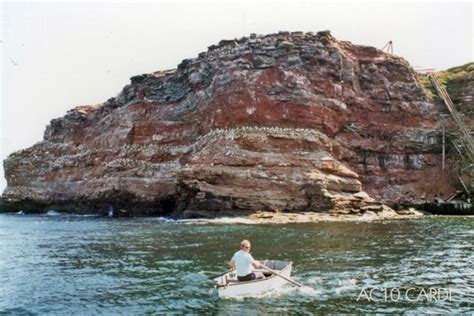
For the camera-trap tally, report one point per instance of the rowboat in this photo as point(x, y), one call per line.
point(227, 284)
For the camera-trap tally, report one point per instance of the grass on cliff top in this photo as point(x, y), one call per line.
point(466, 68)
point(451, 79)
point(456, 73)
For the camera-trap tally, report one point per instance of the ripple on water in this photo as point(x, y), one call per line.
point(139, 266)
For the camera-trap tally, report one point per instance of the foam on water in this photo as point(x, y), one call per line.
point(309, 291)
point(220, 220)
point(193, 245)
point(53, 213)
point(165, 219)
point(175, 262)
point(346, 285)
point(232, 220)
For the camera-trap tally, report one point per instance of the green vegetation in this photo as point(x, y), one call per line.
point(427, 86)
point(454, 78)
point(459, 83)
point(458, 72)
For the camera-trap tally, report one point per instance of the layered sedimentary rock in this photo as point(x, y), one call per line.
point(288, 121)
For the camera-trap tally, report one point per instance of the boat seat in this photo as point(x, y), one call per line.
point(234, 280)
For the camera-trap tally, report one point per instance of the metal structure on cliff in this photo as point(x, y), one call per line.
point(388, 47)
point(464, 145)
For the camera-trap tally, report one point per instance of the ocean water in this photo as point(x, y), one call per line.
point(81, 265)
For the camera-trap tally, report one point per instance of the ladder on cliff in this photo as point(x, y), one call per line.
point(464, 144)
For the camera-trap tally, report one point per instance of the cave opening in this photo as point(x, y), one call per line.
point(167, 205)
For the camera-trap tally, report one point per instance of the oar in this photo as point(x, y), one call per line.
point(281, 276)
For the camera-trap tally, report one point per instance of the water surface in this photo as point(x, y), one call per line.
point(88, 265)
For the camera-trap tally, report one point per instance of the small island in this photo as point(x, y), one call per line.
point(294, 123)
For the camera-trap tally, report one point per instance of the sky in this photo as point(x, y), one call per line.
point(58, 55)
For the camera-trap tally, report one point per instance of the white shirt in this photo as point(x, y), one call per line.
point(243, 261)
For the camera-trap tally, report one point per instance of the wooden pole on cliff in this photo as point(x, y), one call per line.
point(444, 149)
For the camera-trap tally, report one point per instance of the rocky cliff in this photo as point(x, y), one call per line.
point(459, 83)
point(288, 121)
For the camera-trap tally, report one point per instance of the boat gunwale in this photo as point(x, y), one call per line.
point(251, 281)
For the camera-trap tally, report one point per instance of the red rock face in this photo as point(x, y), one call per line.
point(287, 121)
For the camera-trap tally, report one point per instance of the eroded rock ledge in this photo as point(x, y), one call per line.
point(292, 122)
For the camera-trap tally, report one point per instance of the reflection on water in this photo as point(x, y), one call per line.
point(54, 264)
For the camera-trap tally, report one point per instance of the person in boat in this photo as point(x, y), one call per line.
point(244, 263)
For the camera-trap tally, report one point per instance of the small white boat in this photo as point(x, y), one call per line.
point(227, 284)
